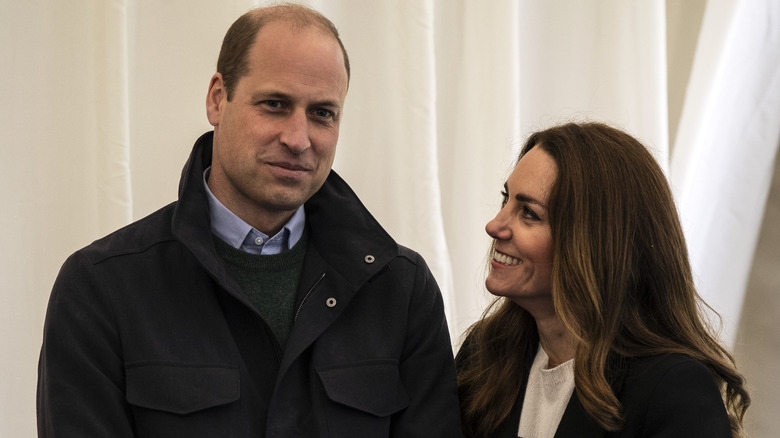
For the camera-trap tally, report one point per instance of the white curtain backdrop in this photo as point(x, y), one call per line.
point(103, 100)
point(726, 145)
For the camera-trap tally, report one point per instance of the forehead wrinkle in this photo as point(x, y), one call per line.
point(294, 77)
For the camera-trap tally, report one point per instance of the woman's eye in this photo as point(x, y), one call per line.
point(529, 214)
point(504, 198)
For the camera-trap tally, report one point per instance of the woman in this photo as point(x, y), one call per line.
point(596, 330)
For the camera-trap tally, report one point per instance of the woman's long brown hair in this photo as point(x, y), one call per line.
point(622, 283)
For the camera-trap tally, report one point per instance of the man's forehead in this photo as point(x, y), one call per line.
point(280, 63)
point(296, 27)
point(272, 40)
point(304, 29)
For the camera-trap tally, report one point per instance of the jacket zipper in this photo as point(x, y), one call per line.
point(295, 318)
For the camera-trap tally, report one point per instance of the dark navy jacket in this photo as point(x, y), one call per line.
point(147, 335)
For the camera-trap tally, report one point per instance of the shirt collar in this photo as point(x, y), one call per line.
point(240, 235)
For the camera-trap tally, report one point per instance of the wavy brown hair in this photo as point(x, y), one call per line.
point(621, 282)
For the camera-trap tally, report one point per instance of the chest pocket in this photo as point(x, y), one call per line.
point(363, 397)
point(180, 397)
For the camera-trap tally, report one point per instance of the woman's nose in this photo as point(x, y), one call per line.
point(497, 228)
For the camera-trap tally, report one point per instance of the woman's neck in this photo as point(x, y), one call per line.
point(558, 342)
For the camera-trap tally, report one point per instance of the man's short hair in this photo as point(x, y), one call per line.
point(233, 61)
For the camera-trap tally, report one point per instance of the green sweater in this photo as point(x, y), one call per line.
point(269, 281)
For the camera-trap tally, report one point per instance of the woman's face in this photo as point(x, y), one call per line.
point(521, 258)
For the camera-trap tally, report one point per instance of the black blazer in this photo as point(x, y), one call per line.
point(662, 396)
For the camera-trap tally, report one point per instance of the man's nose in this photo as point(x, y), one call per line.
point(295, 132)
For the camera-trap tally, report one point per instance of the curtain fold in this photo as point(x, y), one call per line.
point(602, 60)
point(112, 116)
point(725, 148)
point(49, 177)
point(477, 87)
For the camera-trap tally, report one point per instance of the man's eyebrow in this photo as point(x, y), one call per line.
point(266, 95)
point(278, 95)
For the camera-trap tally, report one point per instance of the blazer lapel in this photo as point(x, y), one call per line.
point(576, 423)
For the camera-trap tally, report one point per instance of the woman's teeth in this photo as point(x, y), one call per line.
point(505, 259)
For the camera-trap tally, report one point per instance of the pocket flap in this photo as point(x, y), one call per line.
point(181, 388)
point(372, 387)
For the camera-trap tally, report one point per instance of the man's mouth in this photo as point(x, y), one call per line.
point(291, 166)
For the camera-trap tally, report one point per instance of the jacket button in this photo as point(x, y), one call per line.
point(369, 259)
point(330, 302)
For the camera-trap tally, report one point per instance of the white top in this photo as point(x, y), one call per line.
point(546, 397)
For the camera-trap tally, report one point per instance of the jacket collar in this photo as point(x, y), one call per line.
point(191, 224)
point(347, 236)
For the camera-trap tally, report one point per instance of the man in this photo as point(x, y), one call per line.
point(266, 302)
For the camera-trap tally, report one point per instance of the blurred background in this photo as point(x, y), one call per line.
point(103, 99)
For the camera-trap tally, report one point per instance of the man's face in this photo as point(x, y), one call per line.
point(275, 141)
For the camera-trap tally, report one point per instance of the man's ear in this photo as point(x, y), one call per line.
point(214, 98)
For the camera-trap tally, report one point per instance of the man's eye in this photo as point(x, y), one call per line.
point(323, 113)
point(271, 103)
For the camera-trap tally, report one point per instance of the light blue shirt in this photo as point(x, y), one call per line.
point(240, 235)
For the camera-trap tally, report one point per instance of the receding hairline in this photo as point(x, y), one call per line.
point(293, 12)
point(241, 37)
point(298, 16)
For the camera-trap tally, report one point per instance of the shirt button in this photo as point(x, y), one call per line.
point(258, 240)
point(369, 259)
point(331, 302)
